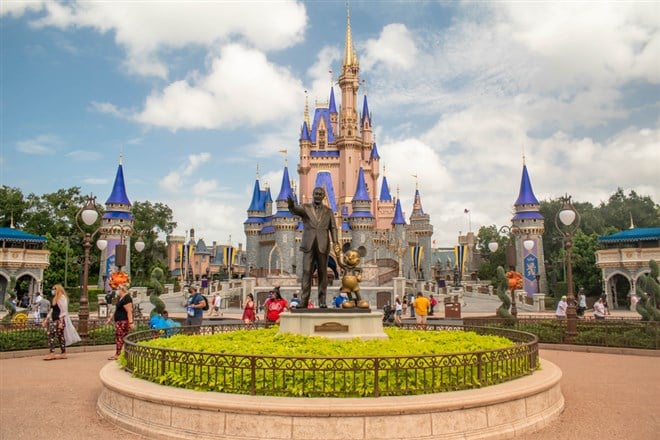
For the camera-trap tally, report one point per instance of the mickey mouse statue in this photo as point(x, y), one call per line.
point(349, 261)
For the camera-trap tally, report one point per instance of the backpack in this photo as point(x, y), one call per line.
point(206, 303)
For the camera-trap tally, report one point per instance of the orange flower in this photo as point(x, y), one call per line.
point(515, 280)
point(118, 278)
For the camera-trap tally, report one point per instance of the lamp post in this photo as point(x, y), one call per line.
point(567, 222)
point(510, 255)
point(89, 214)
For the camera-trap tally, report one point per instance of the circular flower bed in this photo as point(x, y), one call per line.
point(263, 362)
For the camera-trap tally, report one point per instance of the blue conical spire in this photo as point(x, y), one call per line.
point(285, 189)
point(365, 111)
point(256, 196)
point(304, 132)
point(398, 214)
point(526, 195)
point(332, 107)
point(118, 195)
point(361, 193)
point(385, 191)
point(417, 204)
point(267, 197)
point(374, 152)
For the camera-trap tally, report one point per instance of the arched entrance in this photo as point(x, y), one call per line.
point(618, 290)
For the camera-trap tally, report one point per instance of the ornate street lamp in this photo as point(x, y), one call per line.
point(510, 255)
point(567, 222)
point(88, 214)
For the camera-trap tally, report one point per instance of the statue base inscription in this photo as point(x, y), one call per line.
point(337, 324)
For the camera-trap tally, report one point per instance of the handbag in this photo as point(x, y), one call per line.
point(71, 336)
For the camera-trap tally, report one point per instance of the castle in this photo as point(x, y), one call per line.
point(338, 152)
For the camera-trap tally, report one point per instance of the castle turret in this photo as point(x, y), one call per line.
point(419, 235)
point(284, 226)
point(252, 226)
point(362, 220)
point(116, 228)
point(529, 224)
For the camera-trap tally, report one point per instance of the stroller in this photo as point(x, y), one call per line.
point(388, 314)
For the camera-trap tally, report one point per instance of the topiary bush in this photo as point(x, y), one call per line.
point(648, 290)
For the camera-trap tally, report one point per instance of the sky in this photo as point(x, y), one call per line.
point(199, 96)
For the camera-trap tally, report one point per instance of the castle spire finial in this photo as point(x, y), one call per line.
point(364, 84)
point(121, 154)
point(257, 171)
point(523, 151)
point(307, 109)
point(632, 224)
point(349, 51)
point(416, 181)
point(286, 158)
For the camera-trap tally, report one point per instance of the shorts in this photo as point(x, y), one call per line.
point(399, 312)
point(421, 319)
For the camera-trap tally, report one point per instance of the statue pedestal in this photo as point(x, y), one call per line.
point(334, 323)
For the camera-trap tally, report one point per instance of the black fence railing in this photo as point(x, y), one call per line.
point(310, 376)
point(610, 332)
point(30, 335)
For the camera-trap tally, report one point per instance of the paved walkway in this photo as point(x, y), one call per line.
point(608, 396)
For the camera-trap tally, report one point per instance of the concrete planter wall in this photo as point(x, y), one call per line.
point(503, 411)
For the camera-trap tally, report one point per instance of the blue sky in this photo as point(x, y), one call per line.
point(198, 94)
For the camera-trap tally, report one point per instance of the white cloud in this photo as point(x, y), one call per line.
point(176, 180)
point(40, 145)
point(395, 49)
point(145, 32)
point(579, 43)
point(84, 155)
point(18, 8)
point(204, 187)
point(106, 108)
point(194, 161)
point(241, 88)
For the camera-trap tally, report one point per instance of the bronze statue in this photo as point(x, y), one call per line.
point(319, 233)
point(349, 261)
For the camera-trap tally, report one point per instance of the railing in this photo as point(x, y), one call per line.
point(308, 376)
point(29, 336)
point(611, 332)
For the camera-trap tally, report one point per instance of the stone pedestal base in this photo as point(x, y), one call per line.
point(508, 410)
point(334, 323)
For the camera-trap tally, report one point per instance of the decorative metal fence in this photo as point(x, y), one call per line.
point(308, 376)
point(610, 332)
point(30, 335)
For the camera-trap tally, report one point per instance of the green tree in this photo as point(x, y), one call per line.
point(152, 220)
point(490, 260)
point(620, 209)
point(585, 272)
point(12, 206)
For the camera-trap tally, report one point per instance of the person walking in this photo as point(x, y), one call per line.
point(249, 313)
point(433, 303)
point(275, 307)
point(398, 310)
point(43, 307)
point(599, 309)
point(319, 234)
point(562, 306)
point(55, 321)
point(216, 301)
point(421, 307)
point(582, 303)
point(195, 308)
point(123, 317)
